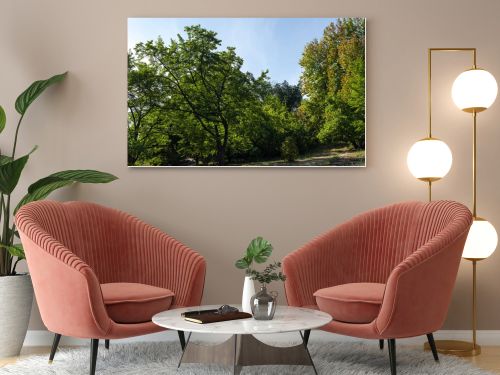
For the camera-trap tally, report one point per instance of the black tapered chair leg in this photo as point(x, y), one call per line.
point(55, 344)
point(392, 355)
point(432, 344)
point(307, 333)
point(106, 344)
point(94, 346)
point(182, 339)
point(381, 344)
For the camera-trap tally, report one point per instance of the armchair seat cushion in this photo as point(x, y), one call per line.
point(135, 303)
point(351, 303)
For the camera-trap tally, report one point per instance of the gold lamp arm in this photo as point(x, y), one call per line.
point(429, 93)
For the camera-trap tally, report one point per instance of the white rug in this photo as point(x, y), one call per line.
point(161, 358)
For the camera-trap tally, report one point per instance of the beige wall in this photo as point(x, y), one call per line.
point(81, 124)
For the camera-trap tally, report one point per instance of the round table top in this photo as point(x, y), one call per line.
point(286, 319)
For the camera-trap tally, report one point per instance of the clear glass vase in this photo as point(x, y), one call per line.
point(263, 304)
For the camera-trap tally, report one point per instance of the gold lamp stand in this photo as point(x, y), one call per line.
point(455, 347)
point(462, 348)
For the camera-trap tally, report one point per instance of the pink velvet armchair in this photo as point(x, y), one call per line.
point(385, 274)
point(99, 273)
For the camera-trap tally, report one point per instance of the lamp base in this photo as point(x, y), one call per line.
point(456, 348)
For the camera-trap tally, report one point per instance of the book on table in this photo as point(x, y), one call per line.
point(213, 316)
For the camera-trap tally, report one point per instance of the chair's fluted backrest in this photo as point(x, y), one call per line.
point(102, 237)
point(379, 242)
point(386, 236)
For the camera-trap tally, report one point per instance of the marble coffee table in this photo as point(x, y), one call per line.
point(242, 348)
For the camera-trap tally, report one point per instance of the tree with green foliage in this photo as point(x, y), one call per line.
point(190, 102)
point(333, 80)
point(289, 150)
point(289, 95)
point(146, 122)
point(204, 86)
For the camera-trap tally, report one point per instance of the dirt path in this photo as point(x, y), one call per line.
point(324, 157)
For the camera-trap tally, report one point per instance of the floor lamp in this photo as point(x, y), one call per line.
point(473, 91)
point(429, 159)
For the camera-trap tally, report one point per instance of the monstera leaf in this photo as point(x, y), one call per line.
point(34, 91)
point(242, 263)
point(258, 250)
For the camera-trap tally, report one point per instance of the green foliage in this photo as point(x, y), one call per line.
point(15, 250)
point(289, 150)
point(200, 88)
point(4, 159)
point(11, 170)
point(288, 94)
point(334, 81)
point(3, 119)
point(29, 95)
point(43, 187)
point(269, 274)
point(190, 103)
point(258, 250)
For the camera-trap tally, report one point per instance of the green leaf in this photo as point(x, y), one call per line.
point(43, 187)
point(10, 172)
point(34, 91)
point(259, 250)
point(42, 193)
point(242, 263)
point(260, 258)
point(87, 176)
point(3, 119)
point(15, 250)
point(13, 233)
point(4, 159)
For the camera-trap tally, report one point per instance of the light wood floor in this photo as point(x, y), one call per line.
point(488, 360)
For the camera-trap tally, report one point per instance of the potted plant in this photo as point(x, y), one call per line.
point(16, 291)
point(258, 251)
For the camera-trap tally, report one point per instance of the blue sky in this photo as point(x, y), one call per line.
point(263, 43)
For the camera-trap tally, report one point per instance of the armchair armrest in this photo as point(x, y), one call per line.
point(419, 289)
point(68, 292)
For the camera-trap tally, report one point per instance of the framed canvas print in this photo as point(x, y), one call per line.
point(258, 92)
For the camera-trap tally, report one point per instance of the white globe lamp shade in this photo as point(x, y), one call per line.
point(474, 90)
point(429, 159)
point(481, 241)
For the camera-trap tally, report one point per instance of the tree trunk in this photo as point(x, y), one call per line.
point(221, 148)
point(220, 157)
point(131, 160)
